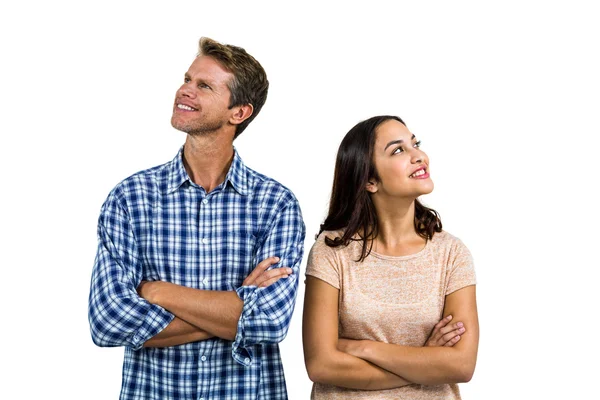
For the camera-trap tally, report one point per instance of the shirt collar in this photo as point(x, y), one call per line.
point(237, 175)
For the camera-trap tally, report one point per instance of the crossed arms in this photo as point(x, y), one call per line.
point(124, 310)
point(216, 312)
point(448, 356)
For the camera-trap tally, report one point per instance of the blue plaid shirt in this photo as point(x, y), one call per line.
point(159, 225)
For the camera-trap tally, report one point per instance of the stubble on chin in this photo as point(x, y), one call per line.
point(196, 129)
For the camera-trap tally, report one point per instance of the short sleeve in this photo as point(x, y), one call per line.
point(462, 270)
point(323, 261)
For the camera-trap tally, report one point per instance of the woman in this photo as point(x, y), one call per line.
point(389, 309)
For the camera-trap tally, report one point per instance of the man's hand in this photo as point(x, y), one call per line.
point(445, 334)
point(262, 277)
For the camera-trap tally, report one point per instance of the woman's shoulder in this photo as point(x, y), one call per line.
point(445, 237)
point(446, 240)
point(330, 234)
point(324, 239)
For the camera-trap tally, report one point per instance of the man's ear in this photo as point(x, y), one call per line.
point(371, 186)
point(241, 113)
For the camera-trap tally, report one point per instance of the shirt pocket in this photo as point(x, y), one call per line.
point(238, 257)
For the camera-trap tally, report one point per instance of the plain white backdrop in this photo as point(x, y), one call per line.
point(505, 97)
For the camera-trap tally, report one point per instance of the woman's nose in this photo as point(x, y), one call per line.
point(417, 157)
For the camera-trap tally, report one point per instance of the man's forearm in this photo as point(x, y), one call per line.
point(176, 333)
point(214, 312)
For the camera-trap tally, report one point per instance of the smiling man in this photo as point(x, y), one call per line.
point(198, 259)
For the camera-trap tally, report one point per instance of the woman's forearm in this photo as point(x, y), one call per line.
point(430, 365)
point(344, 370)
point(423, 365)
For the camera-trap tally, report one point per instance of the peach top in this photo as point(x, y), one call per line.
point(392, 300)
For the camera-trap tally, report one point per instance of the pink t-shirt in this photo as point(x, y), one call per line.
point(392, 300)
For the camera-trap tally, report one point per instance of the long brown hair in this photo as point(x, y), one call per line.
point(351, 207)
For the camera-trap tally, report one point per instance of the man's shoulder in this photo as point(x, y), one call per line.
point(142, 182)
point(265, 187)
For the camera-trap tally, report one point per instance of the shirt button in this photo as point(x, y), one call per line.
point(205, 201)
point(205, 281)
point(247, 361)
point(203, 358)
point(204, 240)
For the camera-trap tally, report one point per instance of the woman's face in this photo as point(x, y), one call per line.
point(402, 167)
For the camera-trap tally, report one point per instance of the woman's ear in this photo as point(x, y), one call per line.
point(371, 186)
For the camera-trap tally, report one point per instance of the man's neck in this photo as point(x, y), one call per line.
point(207, 158)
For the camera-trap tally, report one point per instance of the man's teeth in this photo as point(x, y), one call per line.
point(184, 107)
point(418, 173)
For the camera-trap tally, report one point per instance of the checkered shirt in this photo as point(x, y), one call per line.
point(159, 225)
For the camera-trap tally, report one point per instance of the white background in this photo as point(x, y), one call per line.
point(504, 95)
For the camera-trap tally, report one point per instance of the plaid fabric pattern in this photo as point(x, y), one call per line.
point(159, 225)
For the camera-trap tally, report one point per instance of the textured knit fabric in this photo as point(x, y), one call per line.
point(392, 300)
point(159, 225)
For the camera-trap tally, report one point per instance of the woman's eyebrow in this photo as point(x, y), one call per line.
point(396, 142)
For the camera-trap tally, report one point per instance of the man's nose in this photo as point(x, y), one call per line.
point(186, 90)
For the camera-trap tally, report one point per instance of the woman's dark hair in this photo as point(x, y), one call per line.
point(351, 207)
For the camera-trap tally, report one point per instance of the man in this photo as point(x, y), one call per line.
point(177, 278)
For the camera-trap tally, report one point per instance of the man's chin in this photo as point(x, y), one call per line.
point(180, 127)
point(196, 130)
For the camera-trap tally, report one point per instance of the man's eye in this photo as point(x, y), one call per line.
point(186, 80)
point(203, 86)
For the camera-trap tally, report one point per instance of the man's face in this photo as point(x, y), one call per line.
point(202, 102)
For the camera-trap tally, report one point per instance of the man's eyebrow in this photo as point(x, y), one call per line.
point(396, 142)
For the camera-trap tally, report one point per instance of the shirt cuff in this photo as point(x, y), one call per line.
point(155, 321)
point(241, 351)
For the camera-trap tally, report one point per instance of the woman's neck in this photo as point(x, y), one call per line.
point(397, 235)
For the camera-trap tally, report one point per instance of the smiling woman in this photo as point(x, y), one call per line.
point(390, 297)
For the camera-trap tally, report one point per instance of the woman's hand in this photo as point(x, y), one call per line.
point(445, 334)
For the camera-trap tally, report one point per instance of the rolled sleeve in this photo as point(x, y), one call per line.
point(117, 315)
point(267, 312)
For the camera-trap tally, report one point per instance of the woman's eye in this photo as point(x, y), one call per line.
point(397, 151)
point(417, 144)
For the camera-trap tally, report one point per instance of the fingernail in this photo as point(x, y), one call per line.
point(460, 324)
point(461, 330)
point(289, 270)
point(276, 258)
point(449, 317)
